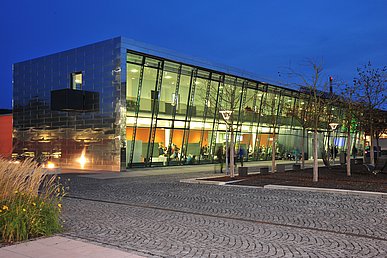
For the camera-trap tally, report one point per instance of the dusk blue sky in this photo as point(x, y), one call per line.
point(262, 37)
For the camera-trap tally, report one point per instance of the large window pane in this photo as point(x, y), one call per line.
point(132, 80)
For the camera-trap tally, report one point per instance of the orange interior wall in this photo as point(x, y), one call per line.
point(5, 135)
point(142, 134)
point(178, 137)
point(263, 139)
point(129, 133)
point(160, 136)
point(247, 139)
point(194, 137)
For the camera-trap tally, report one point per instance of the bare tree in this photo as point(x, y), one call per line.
point(351, 114)
point(228, 97)
point(317, 110)
point(301, 113)
point(272, 102)
point(371, 93)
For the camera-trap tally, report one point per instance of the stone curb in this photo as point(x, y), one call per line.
point(284, 187)
point(207, 182)
point(326, 190)
point(244, 186)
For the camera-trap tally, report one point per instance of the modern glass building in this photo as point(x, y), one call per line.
point(119, 104)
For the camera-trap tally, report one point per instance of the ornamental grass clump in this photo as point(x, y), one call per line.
point(30, 201)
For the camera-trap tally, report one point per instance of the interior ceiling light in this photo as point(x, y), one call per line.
point(134, 70)
point(168, 77)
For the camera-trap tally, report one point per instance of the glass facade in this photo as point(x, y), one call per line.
point(155, 109)
point(173, 114)
point(62, 136)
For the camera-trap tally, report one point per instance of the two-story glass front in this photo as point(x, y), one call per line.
point(173, 115)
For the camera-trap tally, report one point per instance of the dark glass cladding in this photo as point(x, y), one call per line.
point(74, 100)
point(59, 135)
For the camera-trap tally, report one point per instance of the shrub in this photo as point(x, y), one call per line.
point(30, 201)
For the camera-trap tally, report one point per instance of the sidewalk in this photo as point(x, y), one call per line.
point(61, 247)
point(207, 168)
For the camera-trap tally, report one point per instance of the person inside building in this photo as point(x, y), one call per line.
point(354, 152)
point(241, 154)
point(161, 149)
point(220, 156)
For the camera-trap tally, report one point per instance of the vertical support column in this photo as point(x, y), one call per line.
point(137, 110)
point(208, 90)
point(155, 113)
point(188, 114)
point(169, 147)
point(258, 140)
point(215, 124)
point(253, 120)
point(242, 102)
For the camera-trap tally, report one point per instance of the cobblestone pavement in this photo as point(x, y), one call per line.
point(160, 217)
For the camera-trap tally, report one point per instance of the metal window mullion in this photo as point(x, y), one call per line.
point(208, 90)
point(177, 88)
point(263, 98)
point(241, 104)
point(294, 112)
point(188, 114)
point(137, 111)
point(254, 115)
point(155, 112)
point(215, 124)
point(279, 106)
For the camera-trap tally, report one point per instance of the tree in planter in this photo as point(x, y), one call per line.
point(371, 94)
point(301, 113)
point(271, 103)
point(229, 98)
point(351, 115)
point(318, 111)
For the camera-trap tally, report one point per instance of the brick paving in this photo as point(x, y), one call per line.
point(157, 216)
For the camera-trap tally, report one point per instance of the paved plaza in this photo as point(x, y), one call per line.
point(157, 216)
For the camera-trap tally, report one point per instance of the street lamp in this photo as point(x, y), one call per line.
point(226, 116)
point(333, 127)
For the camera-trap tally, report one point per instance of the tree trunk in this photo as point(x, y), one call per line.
point(364, 145)
point(232, 150)
point(348, 157)
point(372, 156)
point(377, 146)
point(273, 152)
point(315, 157)
point(354, 140)
point(303, 149)
point(329, 156)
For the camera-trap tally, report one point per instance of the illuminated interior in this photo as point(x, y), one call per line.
point(178, 109)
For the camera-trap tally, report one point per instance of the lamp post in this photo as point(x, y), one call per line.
point(226, 117)
point(333, 127)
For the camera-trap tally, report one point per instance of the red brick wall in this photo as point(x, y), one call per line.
point(5, 135)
